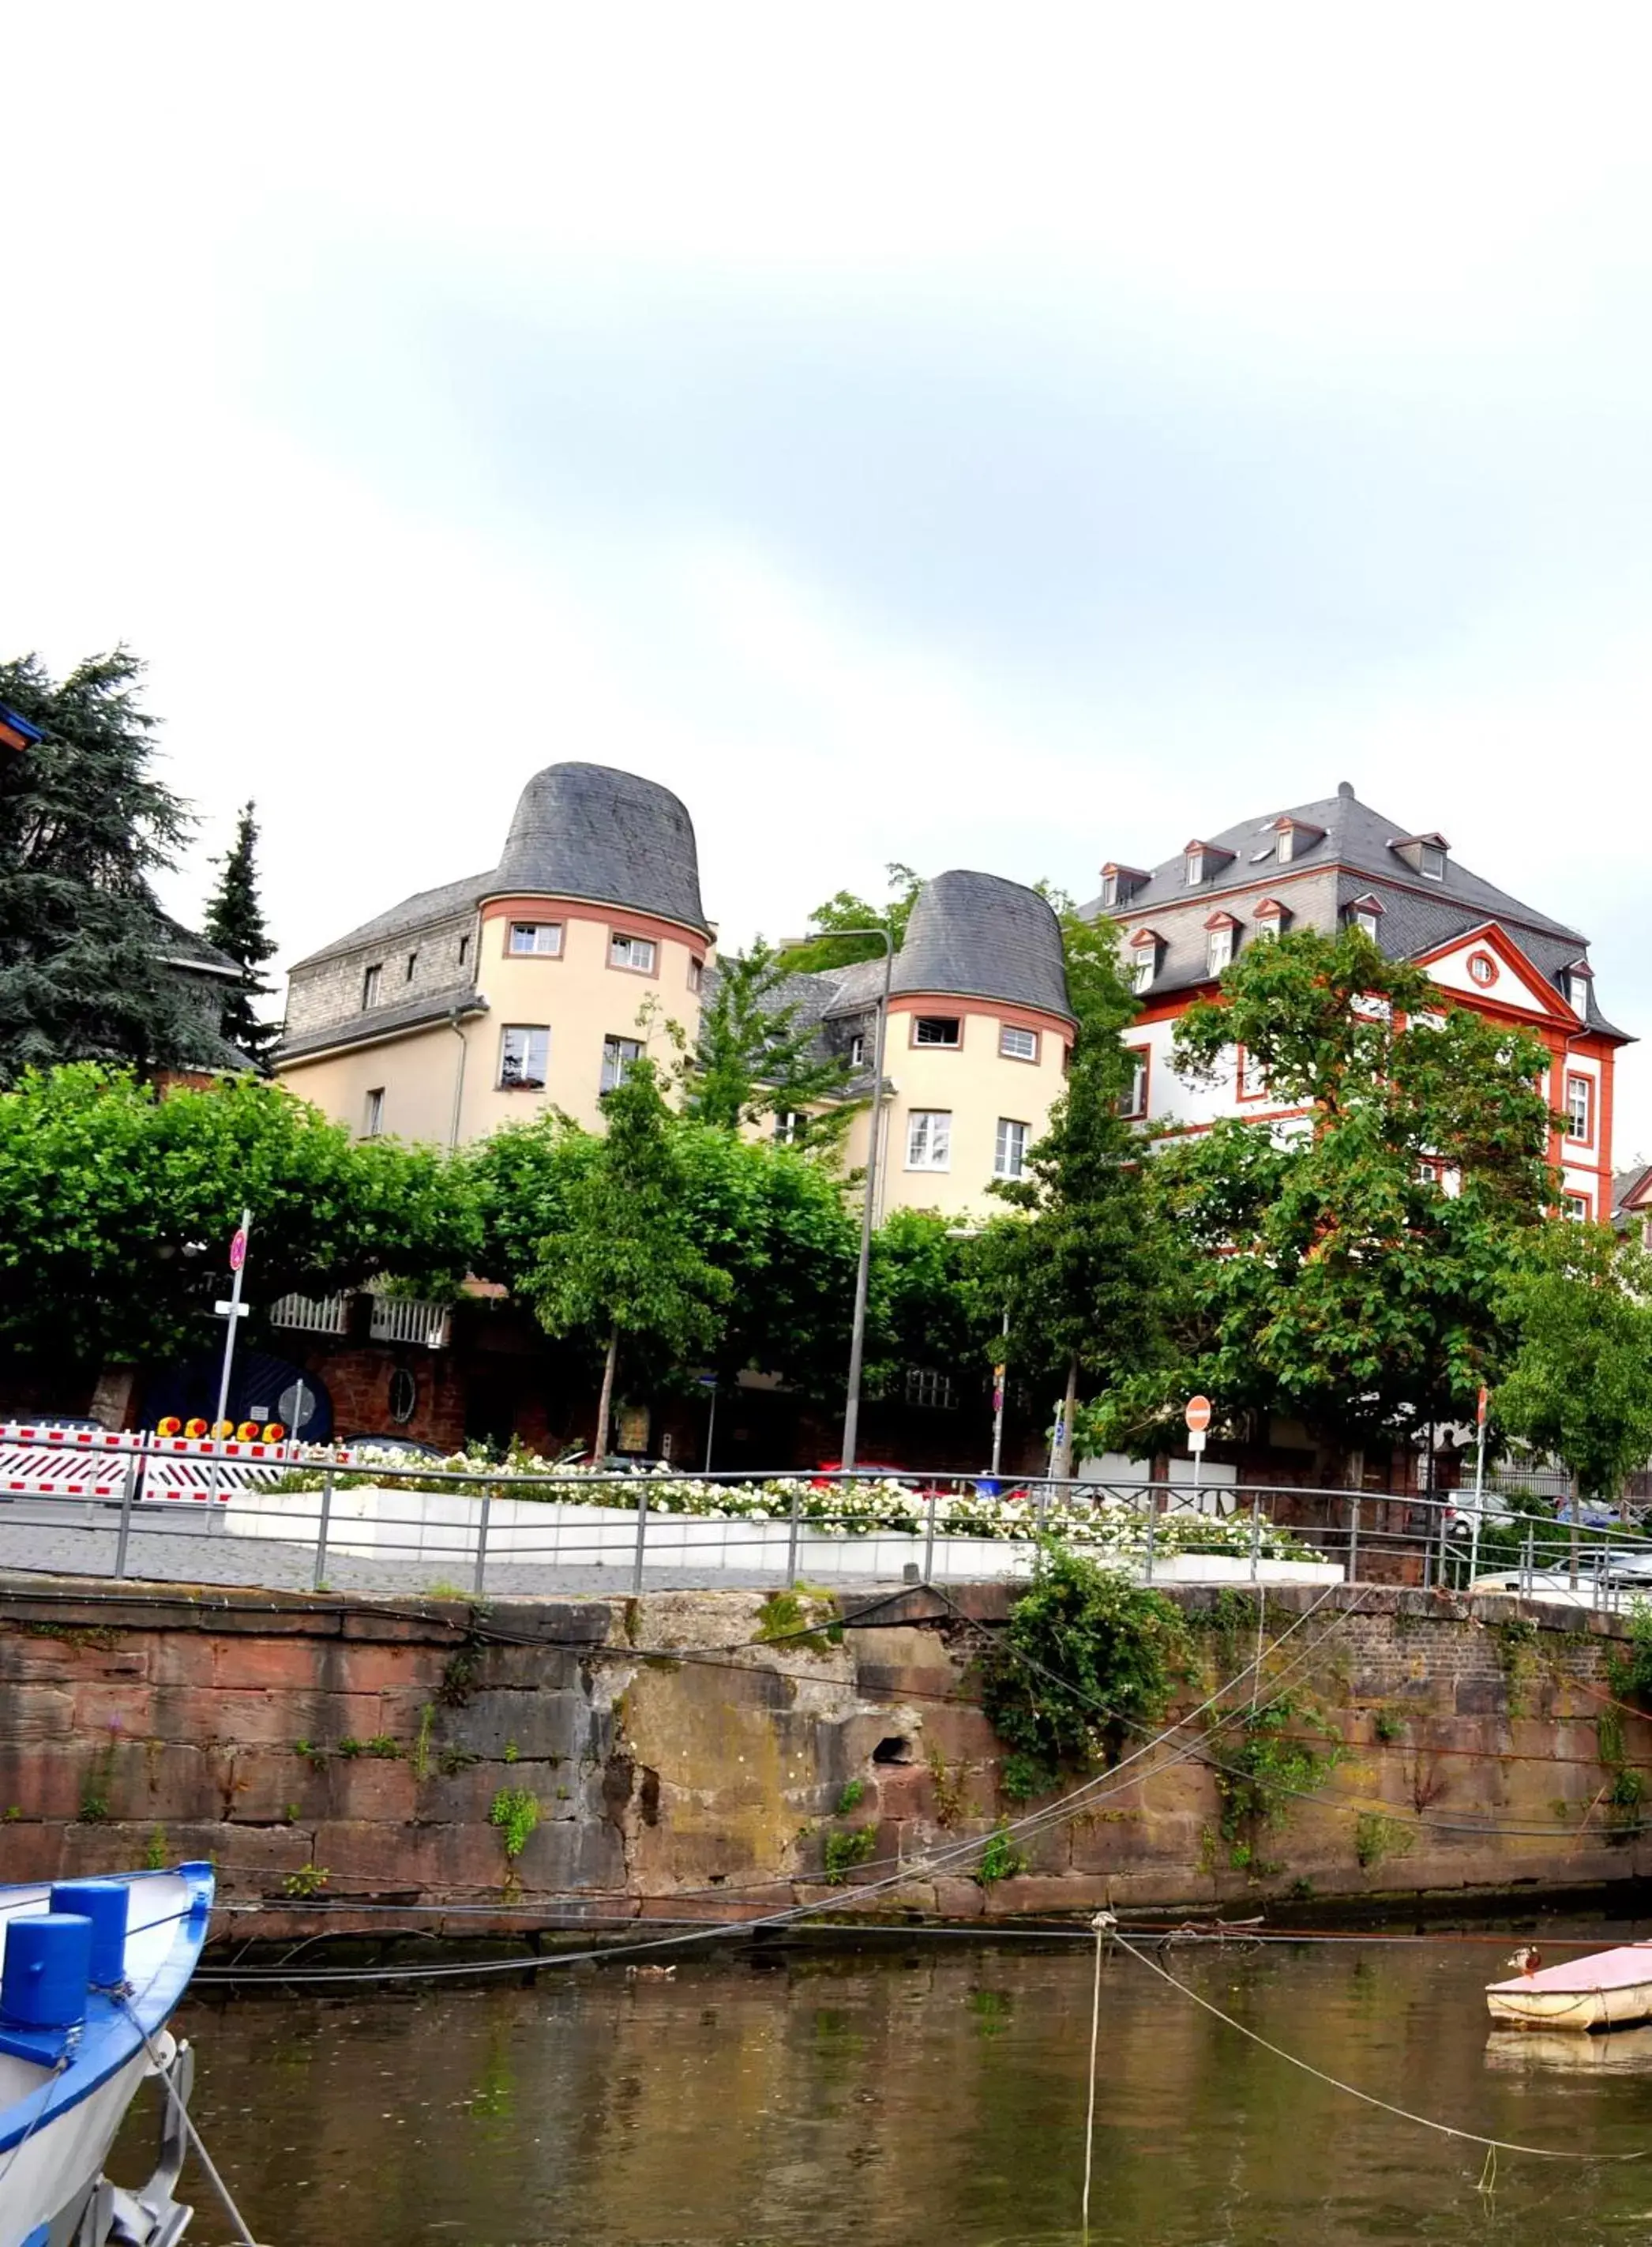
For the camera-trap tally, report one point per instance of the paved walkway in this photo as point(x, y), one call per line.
point(61, 1539)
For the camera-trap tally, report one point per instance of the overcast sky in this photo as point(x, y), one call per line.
point(1003, 438)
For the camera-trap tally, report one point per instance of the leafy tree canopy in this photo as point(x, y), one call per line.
point(84, 825)
point(1348, 1267)
point(1580, 1388)
point(843, 910)
point(754, 1058)
point(1082, 1273)
point(117, 1205)
point(624, 1264)
point(234, 923)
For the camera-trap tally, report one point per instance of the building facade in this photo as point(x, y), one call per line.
point(527, 987)
point(1335, 864)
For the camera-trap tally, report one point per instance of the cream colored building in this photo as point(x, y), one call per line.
point(533, 986)
point(527, 987)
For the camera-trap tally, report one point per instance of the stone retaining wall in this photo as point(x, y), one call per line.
point(363, 1748)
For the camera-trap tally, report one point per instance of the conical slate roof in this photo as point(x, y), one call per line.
point(590, 831)
point(977, 936)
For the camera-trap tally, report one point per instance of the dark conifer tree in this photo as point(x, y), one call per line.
point(85, 824)
point(235, 924)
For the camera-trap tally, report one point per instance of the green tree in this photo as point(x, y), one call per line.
point(234, 923)
point(770, 1219)
point(117, 1205)
point(1082, 1273)
point(1348, 1265)
point(924, 1305)
point(85, 826)
point(843, 910)
point(755, 1057)
point(1579, 1386)
point(626, 1266)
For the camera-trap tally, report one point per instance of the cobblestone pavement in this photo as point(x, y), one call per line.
point(63, 1540)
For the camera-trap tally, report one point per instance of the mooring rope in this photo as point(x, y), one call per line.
point(1352, 2090)
point(190, 2131)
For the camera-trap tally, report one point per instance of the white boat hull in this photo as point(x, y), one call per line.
point(53, 2168)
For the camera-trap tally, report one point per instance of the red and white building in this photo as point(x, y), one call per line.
point(1325, 866)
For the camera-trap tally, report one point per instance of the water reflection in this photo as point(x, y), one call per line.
point(936, 2096)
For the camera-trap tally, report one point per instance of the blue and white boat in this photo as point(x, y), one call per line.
point(90, 1973)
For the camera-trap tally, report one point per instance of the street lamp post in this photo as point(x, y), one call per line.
point(857, 1332)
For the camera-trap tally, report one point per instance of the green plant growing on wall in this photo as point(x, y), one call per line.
point(1388, 1726)
point(806, 1618)
point(420, 1758)
point(949, 1788)
point(155, 1857)
point(1000, 1859)
point(1516, 1642)
point(1631, 1673)
point(314, 1756)
point(854, 1790)
point(307, 1881)
point(1376, 1838)
point(516, 1813)
point(94, 1788)
point(845, 1851)
point(1261, 1765)
point(1085, 1657)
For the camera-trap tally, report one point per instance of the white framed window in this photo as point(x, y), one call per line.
point(536, 939)
point(1482, 968)
point(929, 1390)
point(1017, 1044)
point(858, 1051)
point(1218, 949)
point(1579, 1108)
point(788, 1126)
point(369, 986)
point(618, 1054)
point(1282, 849)
point(937, 1031)
point(1431, 860)
point(696, 972)
point(1009, 1155)
point(1135, 1100)
point(1577, 1208)
point(636, 952)
point(372, 1116)
point(1195, 869)
point(524, 1056)
point(1110, 889)
point(1146, 966)
point(929, 1139)
point(1365, 921)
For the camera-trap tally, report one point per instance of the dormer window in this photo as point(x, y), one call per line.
point(1195, 868)
point(1572, 984)
point(1423, 854)
point(1147, 952)
point(1271, 917)
point(1220, 931)
point(1294, 837)
point(1120, 884)
point(1288, 835)
point(1366, 914)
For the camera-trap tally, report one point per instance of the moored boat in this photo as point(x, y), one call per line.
point(1607, 1989)
point(90, 1973)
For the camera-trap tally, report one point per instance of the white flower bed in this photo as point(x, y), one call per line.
point(831, 1508)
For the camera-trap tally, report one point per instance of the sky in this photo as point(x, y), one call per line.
point(985, 437)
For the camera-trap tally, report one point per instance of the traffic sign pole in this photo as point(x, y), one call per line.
point(1479, 1485)
point(232, 1313)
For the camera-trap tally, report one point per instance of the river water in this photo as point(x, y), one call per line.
point(933, 2094)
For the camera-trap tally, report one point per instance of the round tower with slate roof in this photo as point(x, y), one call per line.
point(980, 1026)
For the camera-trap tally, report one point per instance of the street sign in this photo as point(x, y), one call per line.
point(238, 1249)
point(230, 1310)
point(1197, 1440)
point(1197, 1415)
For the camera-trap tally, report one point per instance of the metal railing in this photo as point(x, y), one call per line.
point(867, 1526)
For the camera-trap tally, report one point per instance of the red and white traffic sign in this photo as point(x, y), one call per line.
point(1197, 1414)
point(238, 1249)
point(1479, 1410)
